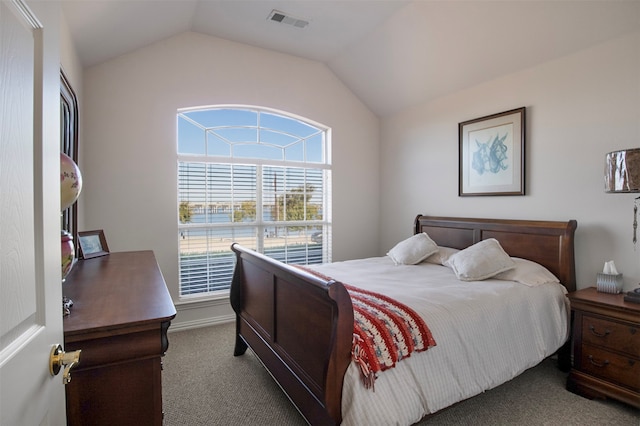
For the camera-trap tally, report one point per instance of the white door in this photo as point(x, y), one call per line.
point(30, 288)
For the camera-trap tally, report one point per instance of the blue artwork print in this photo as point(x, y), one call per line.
point(490, 156)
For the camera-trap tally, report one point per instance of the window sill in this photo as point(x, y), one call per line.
point(196, 302)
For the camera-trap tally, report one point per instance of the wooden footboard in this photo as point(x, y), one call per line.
point(299, 326)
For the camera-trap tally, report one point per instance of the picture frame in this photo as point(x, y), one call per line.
point(92, 244)
point(492, 154)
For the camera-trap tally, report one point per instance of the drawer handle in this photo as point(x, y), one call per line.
point(598, 364)
point(605, 334)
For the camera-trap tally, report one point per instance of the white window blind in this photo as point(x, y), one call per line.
point(253, 177)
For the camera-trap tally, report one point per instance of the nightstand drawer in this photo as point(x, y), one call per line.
point(614, 335)
point(611, 366)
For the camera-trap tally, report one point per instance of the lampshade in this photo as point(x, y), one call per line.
point(622, 171)
point(70, 181)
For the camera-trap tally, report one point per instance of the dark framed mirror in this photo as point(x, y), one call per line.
point(69, 146)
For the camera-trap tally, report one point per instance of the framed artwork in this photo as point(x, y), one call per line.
point(491, 154)
point(92, 244)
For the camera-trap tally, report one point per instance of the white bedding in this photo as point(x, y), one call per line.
point(487, 332)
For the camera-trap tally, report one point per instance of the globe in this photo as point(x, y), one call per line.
point(70, 182)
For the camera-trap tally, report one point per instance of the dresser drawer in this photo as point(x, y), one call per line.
point(610, 334)
point(611, 366)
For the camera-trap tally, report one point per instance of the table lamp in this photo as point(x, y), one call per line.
point(622, 175)
point(70, 187)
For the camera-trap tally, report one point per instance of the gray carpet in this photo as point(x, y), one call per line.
point(204, 384)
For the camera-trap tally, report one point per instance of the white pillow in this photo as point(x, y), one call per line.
point(413, 250)
point(528, 273)
point(480, 261)
point(442, 255)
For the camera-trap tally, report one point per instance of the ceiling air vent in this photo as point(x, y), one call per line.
point(283, 18)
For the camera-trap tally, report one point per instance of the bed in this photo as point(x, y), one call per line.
point(300, 324)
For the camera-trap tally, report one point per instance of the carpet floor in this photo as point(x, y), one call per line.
point(204, 384)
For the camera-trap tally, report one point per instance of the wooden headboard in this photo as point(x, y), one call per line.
point(548, 243)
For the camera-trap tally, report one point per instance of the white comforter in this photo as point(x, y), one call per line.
point(487, 332)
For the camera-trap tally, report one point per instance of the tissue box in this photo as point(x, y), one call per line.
point(609, 283)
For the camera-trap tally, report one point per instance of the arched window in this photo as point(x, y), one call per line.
point(250, 175)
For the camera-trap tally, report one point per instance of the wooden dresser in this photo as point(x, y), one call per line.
point(119, 319)
point(606, 346)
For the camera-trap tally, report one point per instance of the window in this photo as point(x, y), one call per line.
point(252, 176)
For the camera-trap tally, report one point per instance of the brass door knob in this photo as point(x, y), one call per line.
point(59, 358)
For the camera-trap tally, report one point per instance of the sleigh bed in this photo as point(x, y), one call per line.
point(300, 323)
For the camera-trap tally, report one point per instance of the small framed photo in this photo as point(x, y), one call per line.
point(491, 154)
point(92, 244)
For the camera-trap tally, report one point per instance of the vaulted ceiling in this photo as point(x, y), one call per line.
point(391, 53)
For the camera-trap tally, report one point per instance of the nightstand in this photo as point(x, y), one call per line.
point(606, 346)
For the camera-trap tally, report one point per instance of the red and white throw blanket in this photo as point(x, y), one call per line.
point(385, 331)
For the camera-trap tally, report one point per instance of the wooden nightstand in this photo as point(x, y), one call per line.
point(606, 346)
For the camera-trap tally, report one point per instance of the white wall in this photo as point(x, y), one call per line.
point(69, 60)
point(129, 154)
point(578, 108)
